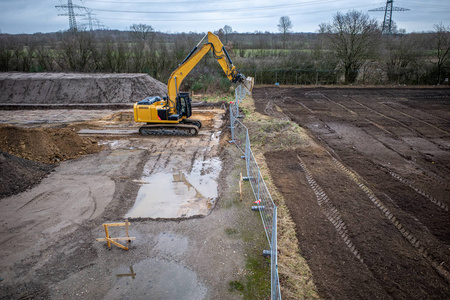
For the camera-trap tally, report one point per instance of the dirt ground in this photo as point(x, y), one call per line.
point(369, 190)
point(47, 233)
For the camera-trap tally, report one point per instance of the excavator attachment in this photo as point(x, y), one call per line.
point(248, 84)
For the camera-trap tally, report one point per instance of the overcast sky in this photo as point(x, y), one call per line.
point(30, 16)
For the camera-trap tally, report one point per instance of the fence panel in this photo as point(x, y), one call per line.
point(240, 135)
point(264, 201)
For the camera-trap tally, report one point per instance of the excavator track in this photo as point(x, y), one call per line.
point(169, 129)
point(193, 122)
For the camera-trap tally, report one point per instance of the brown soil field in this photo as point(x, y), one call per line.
point(370, 195)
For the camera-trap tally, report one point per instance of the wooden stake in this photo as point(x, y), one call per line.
point(107, 235)
point(240, 187)
point(126, 230)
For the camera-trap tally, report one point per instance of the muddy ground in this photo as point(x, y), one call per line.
point(369, 192)
point(47, 233)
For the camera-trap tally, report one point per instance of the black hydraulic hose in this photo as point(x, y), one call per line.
point(189, 55)
point(226, 53)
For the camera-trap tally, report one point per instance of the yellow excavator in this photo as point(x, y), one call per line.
point(170, 115)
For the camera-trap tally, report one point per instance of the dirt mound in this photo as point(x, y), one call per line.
point(47, 145)
point(61, 88)
point(18, 174)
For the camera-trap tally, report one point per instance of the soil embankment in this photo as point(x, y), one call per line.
point(46, 145)
point(67, 88)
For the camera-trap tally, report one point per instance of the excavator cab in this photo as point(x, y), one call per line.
point(184, 107)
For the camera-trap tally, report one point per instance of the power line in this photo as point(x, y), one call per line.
point(237, 18)
point(165, 3)
point(268, 7)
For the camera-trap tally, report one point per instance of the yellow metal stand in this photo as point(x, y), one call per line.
point(109, 240)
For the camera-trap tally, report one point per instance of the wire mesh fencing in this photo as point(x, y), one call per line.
point(263, 200)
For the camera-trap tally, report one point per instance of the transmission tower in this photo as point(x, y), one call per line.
point(89, 18)
point(387, 23)
point(69, 7)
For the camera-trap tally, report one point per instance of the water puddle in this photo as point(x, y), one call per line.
point(176, 194)
point(156, 279)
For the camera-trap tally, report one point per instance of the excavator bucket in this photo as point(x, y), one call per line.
point(248, 83)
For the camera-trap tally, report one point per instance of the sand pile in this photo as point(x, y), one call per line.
point(66, 88)
point(46, 145)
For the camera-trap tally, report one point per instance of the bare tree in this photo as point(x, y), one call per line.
point(284, 27)
point(227, 30)
point(441, 42)
point(76, 51)
point(141, 31)
point(354, 38)
point(400, 57)
point(5, 53)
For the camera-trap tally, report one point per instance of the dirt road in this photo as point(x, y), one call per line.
point(369, 192)
point(194, 250)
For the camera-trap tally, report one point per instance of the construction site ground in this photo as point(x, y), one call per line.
point(207, 247)
point(367, 187)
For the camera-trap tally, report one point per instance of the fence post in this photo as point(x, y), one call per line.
point(231, 123)
point(259, 175)
point(247, 153)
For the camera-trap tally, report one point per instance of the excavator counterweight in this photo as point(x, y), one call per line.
point(170, 115)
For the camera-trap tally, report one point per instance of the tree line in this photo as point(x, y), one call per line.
point(349, 49)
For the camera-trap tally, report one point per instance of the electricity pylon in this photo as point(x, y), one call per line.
point(90, 18)
point(70, 12)
point(387, 23)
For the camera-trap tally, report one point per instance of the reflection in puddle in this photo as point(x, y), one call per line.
point(131, 274)
point(178, 195)
point(158, 279)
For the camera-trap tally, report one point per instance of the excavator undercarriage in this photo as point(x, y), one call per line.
point(187, 128)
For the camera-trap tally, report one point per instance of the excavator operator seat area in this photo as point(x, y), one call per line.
point(184, 107)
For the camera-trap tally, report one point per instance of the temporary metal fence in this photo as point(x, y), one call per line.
point(263, 199)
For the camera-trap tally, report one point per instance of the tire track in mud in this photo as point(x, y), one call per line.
point(160, 154)
point(417, 119)
point(432, 176)
point(423, 155)
point(330, 211)
point(406, 126)
point(36, 199)
point(416, 189)
point(407, 235)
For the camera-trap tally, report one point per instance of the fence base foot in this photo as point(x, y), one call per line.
point(258, 207)
point(267, 253)
point(231, 142)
